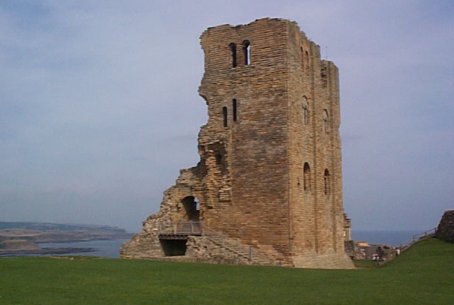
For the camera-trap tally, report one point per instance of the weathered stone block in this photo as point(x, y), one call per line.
point(445, 229)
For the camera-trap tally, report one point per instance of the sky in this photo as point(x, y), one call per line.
point(99, 107)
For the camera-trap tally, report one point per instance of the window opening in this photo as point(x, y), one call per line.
point(327, 182)
point(224, 114)
point(191, 207)
point(306, 177)
point(302, 57)
point(232, 47)
point(247, 52)
point(325, 121)
point(218, 158)
point(324, 76)
point(235, 110)
point(305, 111)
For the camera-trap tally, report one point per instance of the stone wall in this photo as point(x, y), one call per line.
point(270, 173)
point(146, 244)
point(224, 250)
point(255, 144)
point(445, 230)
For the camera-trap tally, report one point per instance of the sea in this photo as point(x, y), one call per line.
point(101, 248)
point(111, 248)
point(391, 238)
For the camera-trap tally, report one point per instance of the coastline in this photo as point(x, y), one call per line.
point(22, 239)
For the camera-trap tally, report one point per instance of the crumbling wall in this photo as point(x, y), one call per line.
point(445, 229)
point(146, 244)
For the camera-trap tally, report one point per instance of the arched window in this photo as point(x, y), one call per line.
point(325, 121)
point(235, 110)
point(232, 47)
point(302, 57)
point(225, 116)
point(306, 115)
point(247, 52)
point(306, 177)
point(327, 182)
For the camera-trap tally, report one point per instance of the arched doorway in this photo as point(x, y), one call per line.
point(192, 208)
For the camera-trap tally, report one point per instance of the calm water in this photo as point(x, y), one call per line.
point(111, 248)
point(392, 238)
point(104, 248)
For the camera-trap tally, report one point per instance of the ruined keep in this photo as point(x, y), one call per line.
point(268, 187)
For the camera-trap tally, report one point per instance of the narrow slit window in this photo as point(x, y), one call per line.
point(305, 111)
point(306, 177)
point(232, 47)
point(302, 57)
point(218, 158)
point(247, 52)
point(326, 122)
point(235, 110)
point(327, 182)
point(225, 116)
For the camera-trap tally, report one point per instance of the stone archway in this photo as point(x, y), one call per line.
point(192, 208)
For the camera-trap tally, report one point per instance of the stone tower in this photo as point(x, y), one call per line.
point(269, 180)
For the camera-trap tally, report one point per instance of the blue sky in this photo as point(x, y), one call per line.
point(99, 107)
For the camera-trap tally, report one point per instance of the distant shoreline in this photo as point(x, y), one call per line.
point(22, 238)
point(46, 251)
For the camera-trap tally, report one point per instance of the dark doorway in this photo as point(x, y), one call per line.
point(192, 208)
point(173, 247)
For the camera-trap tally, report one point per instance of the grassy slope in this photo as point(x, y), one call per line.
point(423, 275)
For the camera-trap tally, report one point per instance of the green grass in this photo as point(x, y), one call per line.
point(423, 275)
point(362, 264)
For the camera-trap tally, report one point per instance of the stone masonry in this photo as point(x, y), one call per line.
point(445, 229)
point(268, 187)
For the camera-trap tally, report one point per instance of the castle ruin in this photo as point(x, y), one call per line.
point(268, 187)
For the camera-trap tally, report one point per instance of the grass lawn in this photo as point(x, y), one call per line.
point(422, 275)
